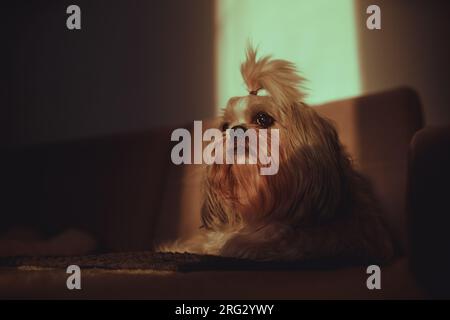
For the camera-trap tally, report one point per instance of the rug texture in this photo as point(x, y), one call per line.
point(183, 262)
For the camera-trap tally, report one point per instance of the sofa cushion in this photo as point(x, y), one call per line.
point(342, 283)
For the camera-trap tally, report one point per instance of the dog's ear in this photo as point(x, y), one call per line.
point(278, 77)
point(213, 215)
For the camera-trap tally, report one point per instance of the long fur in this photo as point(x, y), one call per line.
point(317, 206)
point(278, 77)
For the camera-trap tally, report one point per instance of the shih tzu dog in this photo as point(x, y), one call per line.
point(316, 206)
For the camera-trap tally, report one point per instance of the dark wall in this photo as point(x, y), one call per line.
point(412, 48)
point(134, 65)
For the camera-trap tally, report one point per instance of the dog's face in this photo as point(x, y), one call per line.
point(239, 190)
point(309, 180)
point(245, 189)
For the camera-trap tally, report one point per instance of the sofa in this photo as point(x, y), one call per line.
point(124, 193)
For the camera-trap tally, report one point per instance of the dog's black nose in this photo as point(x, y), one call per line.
point(239, 126)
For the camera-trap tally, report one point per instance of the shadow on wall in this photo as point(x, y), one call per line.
point(412, 48)
point(134, 65)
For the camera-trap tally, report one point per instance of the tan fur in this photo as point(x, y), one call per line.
point(317, 206)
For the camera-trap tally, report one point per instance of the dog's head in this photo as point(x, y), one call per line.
point(310, 179)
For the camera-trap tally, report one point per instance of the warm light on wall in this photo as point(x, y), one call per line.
point(318, 35)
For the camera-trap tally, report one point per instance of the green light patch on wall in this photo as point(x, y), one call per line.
point(319, 36)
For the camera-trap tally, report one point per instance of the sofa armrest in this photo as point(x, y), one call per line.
point(429, 208)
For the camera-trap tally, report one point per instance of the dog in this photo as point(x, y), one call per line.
point(317, 206)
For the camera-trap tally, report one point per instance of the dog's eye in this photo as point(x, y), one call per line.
point(225, 126)
point(263, 120)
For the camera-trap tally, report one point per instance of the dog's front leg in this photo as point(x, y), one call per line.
point(271, 242)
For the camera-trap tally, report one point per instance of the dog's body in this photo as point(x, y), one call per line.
point(316, 206)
